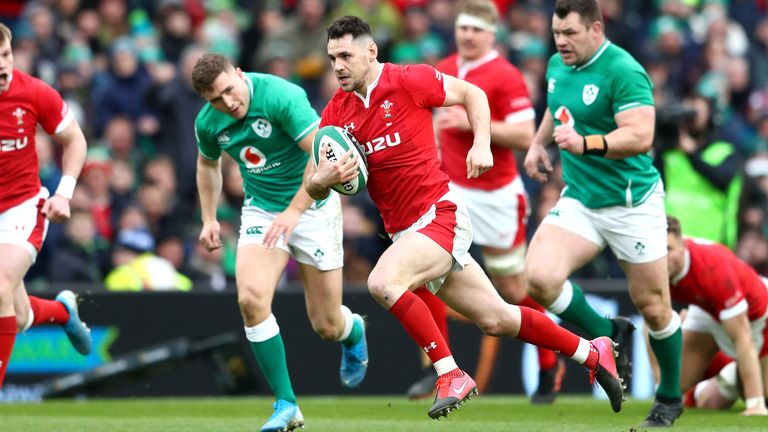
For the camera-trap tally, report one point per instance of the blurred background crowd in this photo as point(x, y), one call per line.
point(124, 68)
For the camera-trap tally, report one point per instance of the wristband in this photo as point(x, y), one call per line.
point(595, 145)
point(66, 187)
point(755, 402)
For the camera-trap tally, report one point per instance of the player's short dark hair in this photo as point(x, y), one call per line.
point(673, 226)
point(207, 69)
point(589, 10)
point(348, 25)
point(5, 33)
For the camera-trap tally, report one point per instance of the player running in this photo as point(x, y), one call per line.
point(388, 108)
point(267, 126)
point(26, 207)
point(496, 201)
point(601, 116)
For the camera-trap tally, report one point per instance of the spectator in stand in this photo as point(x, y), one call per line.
point(137, 268)
point(177, 105)
point(81, 256)
point(123, 90)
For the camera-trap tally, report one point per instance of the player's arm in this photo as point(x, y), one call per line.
point(634, 134)
point(516, 136)
point(302, 201)
point(209, 184)
point(537, 163)
point(286, 221)
point(739, 331)
point(75, 147)
point(318, 181)
point(474, 100)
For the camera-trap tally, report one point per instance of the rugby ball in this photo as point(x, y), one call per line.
point(339, 142)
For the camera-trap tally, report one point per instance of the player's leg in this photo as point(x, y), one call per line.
point(505, 266)
point(333, 321)
point(316, 243)
point(425, 385)
point(471, 294)
point(565, 241)
point(22, 230)
point(412, 260)
point(32, 311)
point(716, 393)
point(763, 354)
point(649, 291)
point(699, 348)
point(15, 263)
point(574, 241)
point(257, 273)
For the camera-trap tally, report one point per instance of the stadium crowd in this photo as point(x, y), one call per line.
point(124, 68)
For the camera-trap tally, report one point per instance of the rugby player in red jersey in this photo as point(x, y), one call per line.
point(388, 109)
point(496, 201)
point(728, 310)
point(26, 207)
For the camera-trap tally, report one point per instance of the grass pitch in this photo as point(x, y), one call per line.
point(342, 414)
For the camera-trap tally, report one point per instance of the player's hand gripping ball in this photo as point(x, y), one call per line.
point(338, 142)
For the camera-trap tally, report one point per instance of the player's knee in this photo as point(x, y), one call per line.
point(252, 302)
point(378, 285)
point(327, 329)
point(542, 284)
point(655, 314)
point(492, 325)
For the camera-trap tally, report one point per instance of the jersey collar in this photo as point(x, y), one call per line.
point(250, 84)
point(465, 67)
point(367, 98)
point(686, 267)
point(595, 56)
point(10, 80)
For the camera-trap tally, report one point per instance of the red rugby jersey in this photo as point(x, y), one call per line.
point(394, 125)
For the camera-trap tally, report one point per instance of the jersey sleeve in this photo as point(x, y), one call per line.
point(732, 300)
point(291, 109)
point(206, 143)
point(425, 84)
point(631, 88)
point(53, 113)
point(721, 282)
point(511, 100)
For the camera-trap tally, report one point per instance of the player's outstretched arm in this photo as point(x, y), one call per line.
point(209, 183)
point(749, 366)
point(73, 158)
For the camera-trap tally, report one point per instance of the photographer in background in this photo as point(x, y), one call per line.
point(701, 173)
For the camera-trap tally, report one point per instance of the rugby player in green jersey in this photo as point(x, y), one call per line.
point(601, 116)
point(267, 126)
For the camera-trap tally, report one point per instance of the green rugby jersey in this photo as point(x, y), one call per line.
point(587, 97)
point(265, 142)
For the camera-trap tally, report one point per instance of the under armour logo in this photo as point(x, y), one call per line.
point(349, 126)
point(430, 347)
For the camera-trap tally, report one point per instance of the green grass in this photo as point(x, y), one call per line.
point(341, 414)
